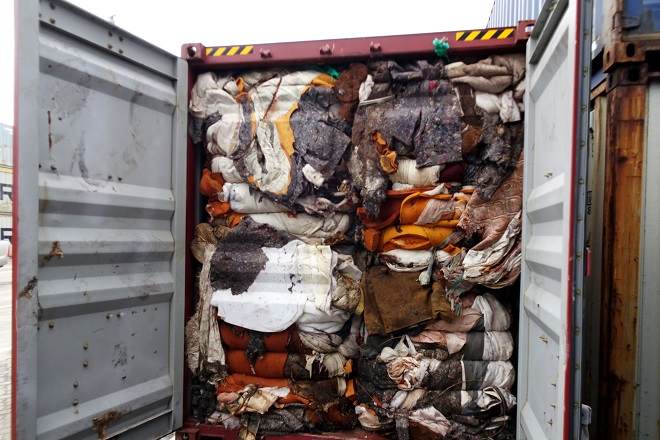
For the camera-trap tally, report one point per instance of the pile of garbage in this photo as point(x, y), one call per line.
point(363, 230)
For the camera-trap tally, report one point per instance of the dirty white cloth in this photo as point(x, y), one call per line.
point(496, 317)
point(323, 342)
point(494, 74)
point(405, 366)
point(203, 343)
point(504, 104)
point(274, 301)
point(268, 163)
point(224, 419)
point(320, 206)
point(333, 363)
point(306, 226)
point(477, 262)
point(498, 374)
point(313, 176)
point(488, 398)
point(246, 200)
point(406, 400)
point(369, 421)
point(365, 88)
point(295, 286)
point(408, 173)
point(403, 260)
point(225, 166)
point(315, 320)
point(431, 419)
point(256, 399)
point(498, 346)
point(211, 94)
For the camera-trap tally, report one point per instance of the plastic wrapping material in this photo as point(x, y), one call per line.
point(306, 226)
point(246, 200)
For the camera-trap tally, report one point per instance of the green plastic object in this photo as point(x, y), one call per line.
point(334, 73)
point(441, 47)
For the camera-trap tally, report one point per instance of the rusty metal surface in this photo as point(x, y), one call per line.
point(624, 41)
point(594, 225)
point(621, 261)
point(193, 431)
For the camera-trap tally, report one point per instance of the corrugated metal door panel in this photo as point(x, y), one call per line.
point(648, 404)
point(101, 219)
point(555, 124)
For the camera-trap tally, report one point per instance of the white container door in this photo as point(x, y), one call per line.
point(556, 136)
point(99, 229)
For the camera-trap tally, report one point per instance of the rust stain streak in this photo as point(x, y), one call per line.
point(100, 424)
point(50, 133)
point(55, 251)
point(27, 290)
point(621, 259)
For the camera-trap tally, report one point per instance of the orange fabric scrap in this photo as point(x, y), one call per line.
point(387, 157)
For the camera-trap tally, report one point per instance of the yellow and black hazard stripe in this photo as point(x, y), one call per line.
point(228, 51)
point(486, 34)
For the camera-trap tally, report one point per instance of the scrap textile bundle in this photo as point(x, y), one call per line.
point(362, 224)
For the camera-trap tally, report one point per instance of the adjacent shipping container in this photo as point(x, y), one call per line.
point(510, 12)
point(6, 145)
point(6, 186)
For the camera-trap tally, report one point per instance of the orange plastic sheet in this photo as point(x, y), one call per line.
point(446, 207)
point(268, 365)
point(211, 183)
point(237, 338)
point(216, 208)
point(409, 237)
point(236, 382)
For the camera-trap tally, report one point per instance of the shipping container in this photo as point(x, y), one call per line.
point(510, 12)
point(6, 142)
point(5, 227)
point(626, 392)
point(105, 281)
point(6, 185)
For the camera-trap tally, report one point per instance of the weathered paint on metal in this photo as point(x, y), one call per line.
point(469, 42)
point(621, 260)
point(99, 264)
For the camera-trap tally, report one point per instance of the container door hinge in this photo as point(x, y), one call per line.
point(585, 421)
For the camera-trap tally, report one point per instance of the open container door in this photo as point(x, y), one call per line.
point(556, 136)
point(100, 228)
